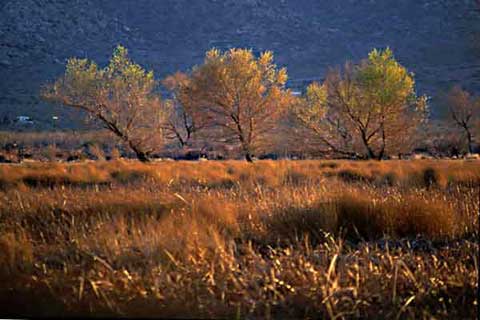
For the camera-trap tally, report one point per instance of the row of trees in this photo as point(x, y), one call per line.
point(364, 110)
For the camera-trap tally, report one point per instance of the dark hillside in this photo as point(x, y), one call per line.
point(437, 39)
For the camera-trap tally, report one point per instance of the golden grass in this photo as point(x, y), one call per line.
point(418, 173)
point(297, 239)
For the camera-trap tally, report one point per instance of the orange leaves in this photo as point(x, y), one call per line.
point(240, 94)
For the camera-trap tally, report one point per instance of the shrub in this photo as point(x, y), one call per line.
point(97, 152)
point(50, 152)
point(430, 177)
point(349, 175)
point(115, 154)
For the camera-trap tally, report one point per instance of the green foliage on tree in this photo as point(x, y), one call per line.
point(366, 110)
point(120, 96)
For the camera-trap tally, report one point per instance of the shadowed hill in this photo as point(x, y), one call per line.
point(436, 39)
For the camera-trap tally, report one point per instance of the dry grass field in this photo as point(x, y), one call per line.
point(273, 239)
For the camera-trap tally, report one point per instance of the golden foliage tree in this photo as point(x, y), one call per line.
point(464, 113)
point(321, 127)
point(120, 96)
point(182, 121)
point(238, 95)
point(366, 110)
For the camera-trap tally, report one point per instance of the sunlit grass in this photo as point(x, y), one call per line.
point(298, 239)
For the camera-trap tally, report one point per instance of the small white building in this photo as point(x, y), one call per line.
point(24, 120)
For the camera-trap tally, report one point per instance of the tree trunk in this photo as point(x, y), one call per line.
point(382, 150)
point(469, 141)
point(245, 145)
point(370, 153)
point(247, 153)
point(141, 155)
point(248, 157)
point(380, 154)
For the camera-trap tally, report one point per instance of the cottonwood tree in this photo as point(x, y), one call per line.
point(121, 97)
point(239, 96)
point(320, 126)
point(464, 113)
point(397, 111)
point(368, 110)
point(182, 121)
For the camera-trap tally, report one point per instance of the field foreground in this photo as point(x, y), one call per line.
point(289, 239)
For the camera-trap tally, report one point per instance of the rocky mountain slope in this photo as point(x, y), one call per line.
point(439, 40)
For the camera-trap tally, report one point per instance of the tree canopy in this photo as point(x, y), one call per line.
point(365, 110)
point(239, 95)
point(121, 97)
point(464, 113)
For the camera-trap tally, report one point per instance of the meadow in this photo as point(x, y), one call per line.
point(228, 239)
